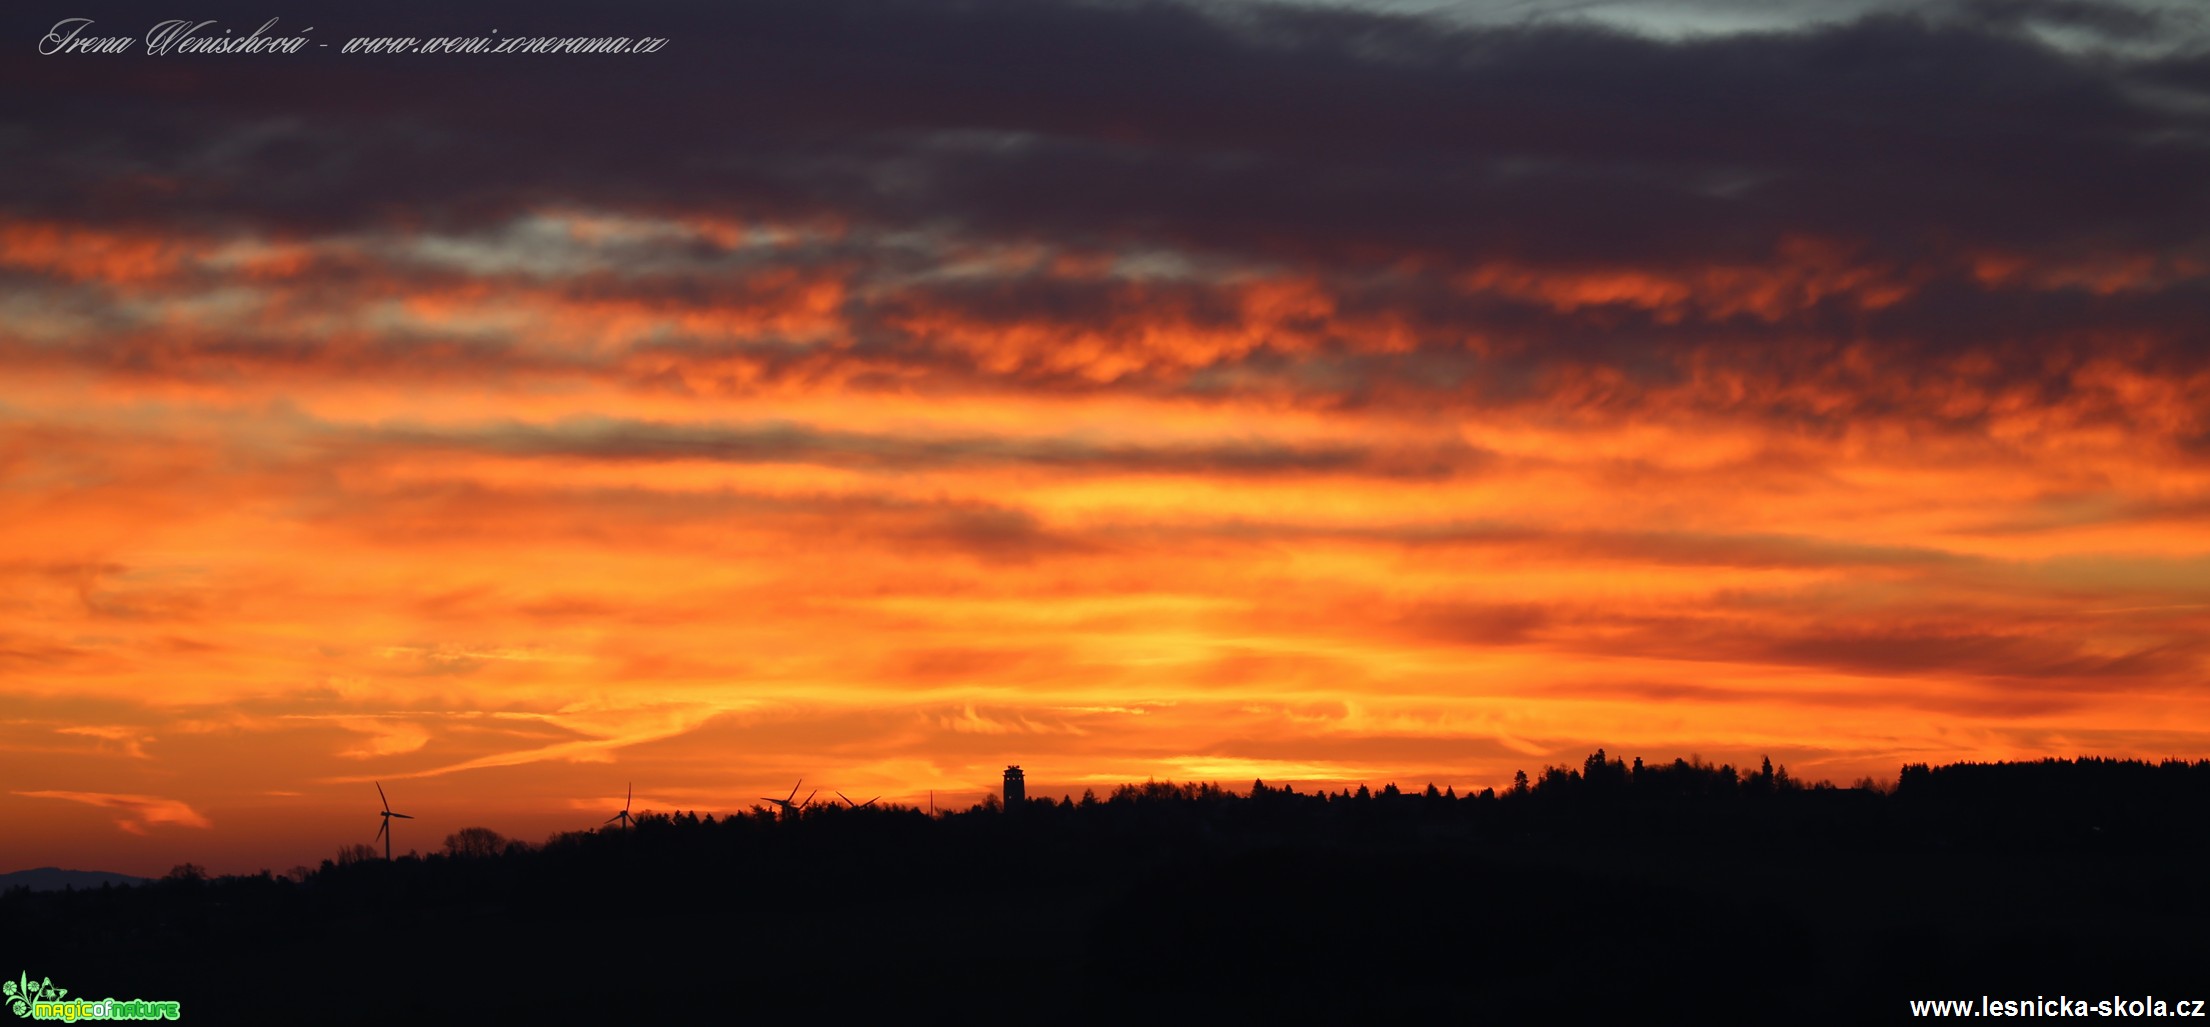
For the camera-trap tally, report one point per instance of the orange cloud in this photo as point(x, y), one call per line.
point(515, 514)
point(81, 253)
point(140, 811)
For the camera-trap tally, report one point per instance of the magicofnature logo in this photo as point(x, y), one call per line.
point(41, 1000)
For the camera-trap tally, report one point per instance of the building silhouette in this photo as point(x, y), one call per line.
point(1016, 788)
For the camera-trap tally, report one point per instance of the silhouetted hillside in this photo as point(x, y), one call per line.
point(1615, 889)
point(57, 879)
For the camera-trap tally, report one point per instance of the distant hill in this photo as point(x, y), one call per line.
point(57, 879)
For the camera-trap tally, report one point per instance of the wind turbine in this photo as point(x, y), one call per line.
point(623, 816)
point(789, 807)
point(383, 830)
point(856, 805)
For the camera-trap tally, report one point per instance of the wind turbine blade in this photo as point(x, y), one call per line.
point(403, 816)
point(613, 818)
point(870, 802)
point(809, 797)
point(847, 799)
point(381, 827)
point(380, 795)
point(632, 794)
point(794, 789)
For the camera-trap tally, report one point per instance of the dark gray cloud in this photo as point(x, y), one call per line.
point(2104, 19)
point(600, 439)
point(1382, 155)
point(1312, 133)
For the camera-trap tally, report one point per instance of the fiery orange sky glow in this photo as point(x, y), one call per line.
point(709, 487)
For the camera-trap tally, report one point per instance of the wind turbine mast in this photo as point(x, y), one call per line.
point(624, 816)
point(383, 829)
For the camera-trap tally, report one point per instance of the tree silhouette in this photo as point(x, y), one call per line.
point(357, 852)
point(474, 843)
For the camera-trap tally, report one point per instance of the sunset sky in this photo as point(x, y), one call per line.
point(883, 392)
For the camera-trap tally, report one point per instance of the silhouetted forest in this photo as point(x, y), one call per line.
point(1608, 889)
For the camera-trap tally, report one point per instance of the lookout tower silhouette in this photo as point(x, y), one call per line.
point(1016, 788)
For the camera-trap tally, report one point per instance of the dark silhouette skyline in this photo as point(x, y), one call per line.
point(1619, 887)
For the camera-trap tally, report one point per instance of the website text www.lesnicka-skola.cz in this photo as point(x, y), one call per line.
point(2039, 1005)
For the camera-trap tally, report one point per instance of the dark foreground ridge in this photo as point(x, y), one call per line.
point(57, 879)
point(1680, 891)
